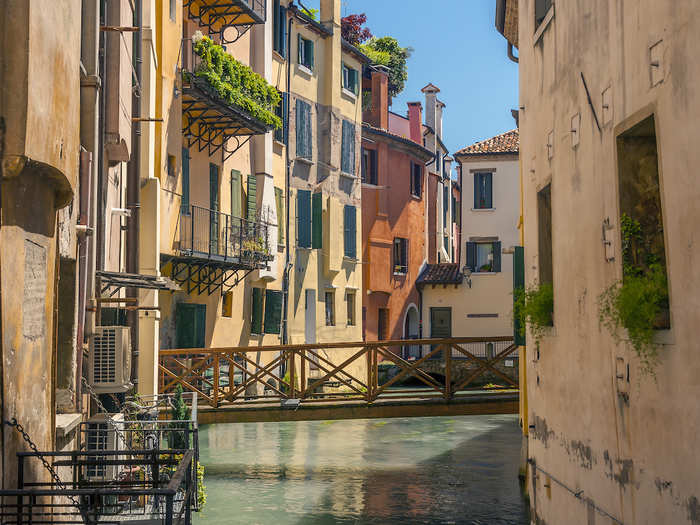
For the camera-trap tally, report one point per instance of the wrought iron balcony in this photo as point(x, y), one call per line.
point(218, 15)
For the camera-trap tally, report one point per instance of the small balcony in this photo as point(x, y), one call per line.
point(218, 15)
point(223, 105)
point(220, 237)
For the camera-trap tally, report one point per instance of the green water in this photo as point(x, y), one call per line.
point(446, 470)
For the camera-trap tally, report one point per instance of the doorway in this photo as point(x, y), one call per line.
point(411, 331)
point(440, 325)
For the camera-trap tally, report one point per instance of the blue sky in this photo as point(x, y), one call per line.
point(457, 48)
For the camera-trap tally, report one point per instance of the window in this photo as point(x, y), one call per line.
point(544, 237)
point(350, 303)
point(252, 198)
point(317, 220)
point(416, 179)
point(454, 210)
point(382, 324)
point(173, 13)
point(256, 319)
point(400, 256)
point(350, 231)
point(347, 162)
point(330, 308)
point(172, 166)
point(445, 203)
point(483, 191)
point(304, 145)
point(236, 194)
point(273, 311)
point(369, 166)
point(350, 79)
point(227, 304)
point(279, 16)
point(304, 218)
point(484, 257)
point(279, 203)
point(185, 202)
point(306, 52)
point(282, 111)
point(541, 9)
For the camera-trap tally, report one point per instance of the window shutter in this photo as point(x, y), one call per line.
point(276, 23)
point(355, 82)
point(252, 200)
point(285, 118)
point(279, 202)
point(310, 53)
point(471, 256)
point(348, 148)
point(477, 190)
point(214, 187)
point(185, 202)
point(283, 31)
point(374, 170)
point(317, 220)
point(307, 131)
point(256, 312)
point(300, 128)
point(200, 325)
point(300, 49)
point(273, 311)
point(303, 129)
point(489, 190)
point(236, 191)
point(350, 231)
point(184, 326)
point(497, 256)
point(304, 218)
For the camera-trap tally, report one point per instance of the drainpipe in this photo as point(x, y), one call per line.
point(510, 53)
point(287, 259)
point(133, 200)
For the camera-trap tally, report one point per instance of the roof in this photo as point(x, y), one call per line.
point(417, 149)
point(443, 273)
point(431, 88)
point(505, 143)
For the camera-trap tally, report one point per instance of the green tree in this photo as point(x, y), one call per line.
point(386, 51)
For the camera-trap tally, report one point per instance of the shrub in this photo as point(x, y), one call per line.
point(534, 308)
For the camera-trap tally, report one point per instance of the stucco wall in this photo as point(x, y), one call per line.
point(635, 459)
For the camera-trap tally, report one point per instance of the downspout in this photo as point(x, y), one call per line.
point(133, 198)
point(510, 53)
point(287, 259)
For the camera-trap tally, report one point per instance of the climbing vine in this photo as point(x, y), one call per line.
point(236, 83)
point(534, 307)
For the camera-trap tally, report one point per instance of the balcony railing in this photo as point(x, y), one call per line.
point(218, 15)
point(220, 236)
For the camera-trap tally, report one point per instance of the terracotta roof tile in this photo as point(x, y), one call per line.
point(444, 273)
point(508, 142)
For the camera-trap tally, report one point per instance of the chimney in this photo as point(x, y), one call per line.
point(431, 106)
point(330, 18)
point(415, 119)
point(379, 113)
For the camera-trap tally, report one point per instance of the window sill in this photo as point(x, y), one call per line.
point(371, 186)
point(485, 273)
point(349, 94)
point(543, 25)
point(349, 176)
point(278, 143)
point(352, 260)
point(416, 197)
point(304, 160)
point(66, 423)
point(301, 68)
point(482, 209)
point(278, 56)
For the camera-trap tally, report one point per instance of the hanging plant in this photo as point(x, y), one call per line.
point(638, 304)
point(534, 308)
point(235, 83)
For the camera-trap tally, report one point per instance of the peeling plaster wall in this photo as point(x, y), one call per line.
point(630, 447)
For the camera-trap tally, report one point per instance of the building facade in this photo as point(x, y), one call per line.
point(607, 123)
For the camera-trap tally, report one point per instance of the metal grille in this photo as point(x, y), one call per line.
point(104, 361)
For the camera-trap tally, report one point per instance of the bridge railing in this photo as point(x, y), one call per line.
point(329, 372)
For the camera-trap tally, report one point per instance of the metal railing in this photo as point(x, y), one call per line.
point(224, 13)
point(154, 486)
point(329, 372)
point(215, 235)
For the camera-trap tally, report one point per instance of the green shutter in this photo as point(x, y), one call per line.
point(304, 148)
point(471, 256)
point(283, 31)
point(304, 218)
point(236, 191)
point(310, 53)
point(496, 256)
point(276, 25)
point(350, 231)
point(347, 161)
point(279, 202)
point(190, 325)
point(256, 312)
point(317, 221)
point(518, 284)
point(185, 203)
point(273, 311)
point(252, 200)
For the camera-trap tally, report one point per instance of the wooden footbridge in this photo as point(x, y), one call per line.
point(403, 378)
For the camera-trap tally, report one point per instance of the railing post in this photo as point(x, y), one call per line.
point(291, 377)
point(216, 380)
point(368, 357)
point(188, 490)
point(192, 219)
point(168, 510)
point(448, 371)
point(302, 372)
point(226, 239)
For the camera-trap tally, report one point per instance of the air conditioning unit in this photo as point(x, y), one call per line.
point(110, 360)
point(104, 433)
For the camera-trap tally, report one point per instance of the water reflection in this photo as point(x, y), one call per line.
point(460, 470)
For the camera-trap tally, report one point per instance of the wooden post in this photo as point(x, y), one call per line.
point(368, 355)
point(216, 381)
point(448, 371)
point(302, 371)
point(291, 376)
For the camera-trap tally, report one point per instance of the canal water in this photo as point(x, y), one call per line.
point(441, 470)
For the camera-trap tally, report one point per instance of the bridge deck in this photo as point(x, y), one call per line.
point(504, 402)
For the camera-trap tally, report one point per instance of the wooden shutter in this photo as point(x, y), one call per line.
point(190, 325)
point(304, 148)
point(471, 256)
point(273, 311)
point(350, 231)
point(185, 202)
point(496, 256)
point(304, 218)
point(477, 190)
point(283, 31)
point(518, 284)
point(317, 221)
point(374, 168)
point(236, 193)
point(489, 190)
point(308, 144)
point(279, 202)
point(310, 53)
point(257, 312)
point(276, 23)
point(252, 198)
point(348, 148)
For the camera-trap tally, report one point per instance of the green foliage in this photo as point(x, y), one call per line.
point(310, 12)
point(236, 83)
point(386, 51)
point(534, 308)
point(637, 302)
point(179, 437)
point(167, 472)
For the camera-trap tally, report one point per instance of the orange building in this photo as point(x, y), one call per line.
point(395, 167)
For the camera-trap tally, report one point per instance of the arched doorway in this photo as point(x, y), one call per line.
point(411, 330)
